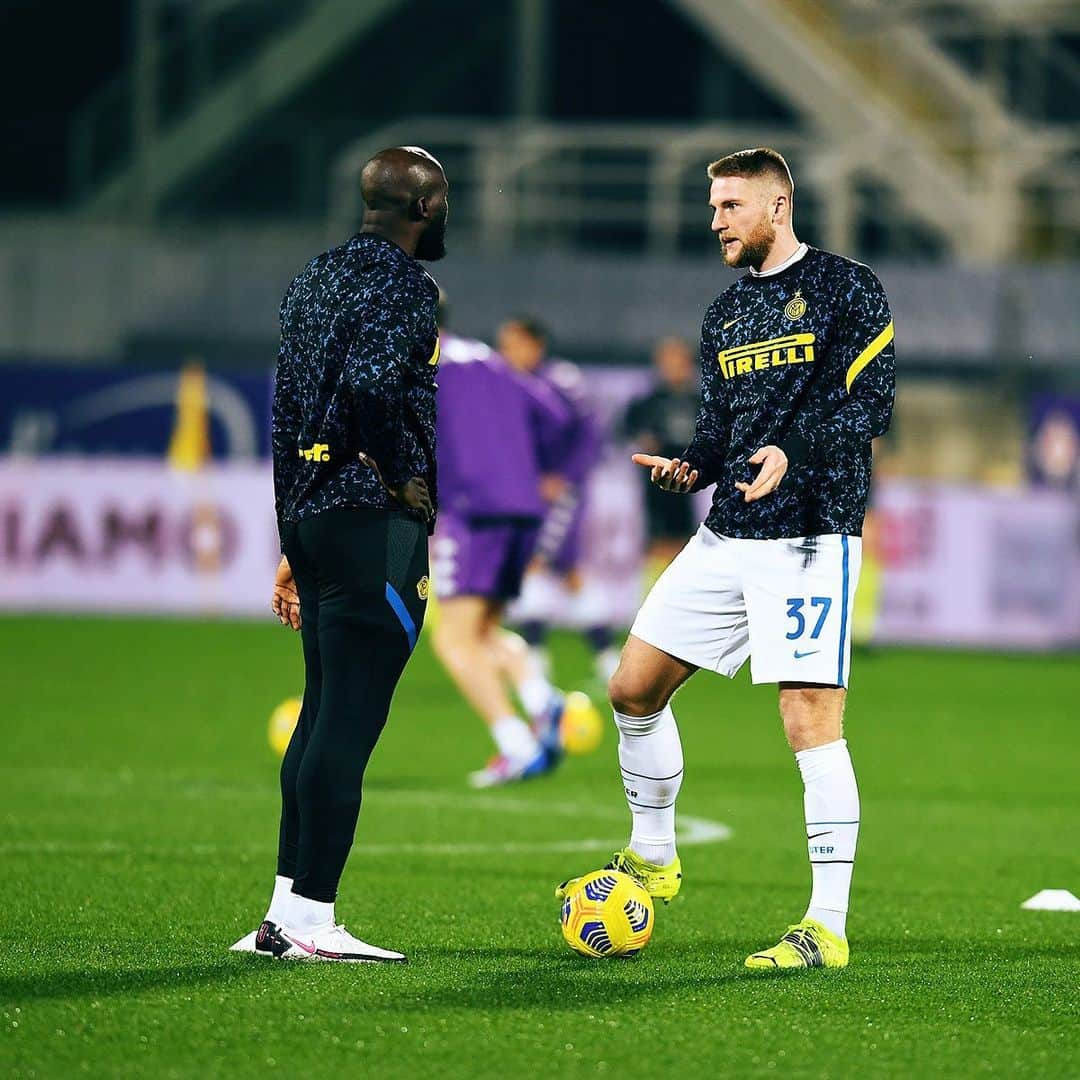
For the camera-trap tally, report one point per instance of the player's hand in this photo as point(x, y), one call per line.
point(671, 474)
point(415, 495)
point(285, 602)
point(774, 465)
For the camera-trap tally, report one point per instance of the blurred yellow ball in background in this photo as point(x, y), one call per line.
point(282, 722)
point(581, 729)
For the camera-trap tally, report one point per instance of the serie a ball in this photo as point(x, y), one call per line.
point(607, 913)
point(282, 721)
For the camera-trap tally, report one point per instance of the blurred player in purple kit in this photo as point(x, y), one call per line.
point(554, 584)
point(495, 430)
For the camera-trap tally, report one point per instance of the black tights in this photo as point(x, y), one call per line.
point(361, 575)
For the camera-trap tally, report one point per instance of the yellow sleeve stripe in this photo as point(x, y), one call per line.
point(868, 354)
point(438, 349)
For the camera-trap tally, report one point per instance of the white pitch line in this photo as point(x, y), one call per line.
point(692, 831)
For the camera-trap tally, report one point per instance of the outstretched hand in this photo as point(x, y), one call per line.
point(285, 601)
point(670, 474)
point(774, 465)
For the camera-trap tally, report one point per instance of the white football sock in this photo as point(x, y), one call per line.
point(535, 692)
point(541, 659)
point(831, 802)
point(515, 739)
point(651, 759)
point(307, 915)
point(279, 901)
point(605, 663)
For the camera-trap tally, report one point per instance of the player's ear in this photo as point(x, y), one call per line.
point(418, 209)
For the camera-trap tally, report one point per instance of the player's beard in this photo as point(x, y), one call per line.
point(754, 249)
point(432, 245)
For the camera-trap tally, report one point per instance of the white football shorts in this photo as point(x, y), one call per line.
point(784, 603)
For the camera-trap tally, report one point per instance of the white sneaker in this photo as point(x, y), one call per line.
point(501, 770)
point(259, 942)
point(332, 943)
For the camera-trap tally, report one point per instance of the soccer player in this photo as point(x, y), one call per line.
point(354, 484)
point(554, 583)
point(662, 422)
point(495, 427)
point(797, 379)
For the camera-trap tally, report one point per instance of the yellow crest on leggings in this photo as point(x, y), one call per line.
point(423, 587)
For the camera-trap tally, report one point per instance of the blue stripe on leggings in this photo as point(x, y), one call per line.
point(843, 614)
point(402, 612)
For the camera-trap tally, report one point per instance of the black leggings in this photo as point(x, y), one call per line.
point(362, 579)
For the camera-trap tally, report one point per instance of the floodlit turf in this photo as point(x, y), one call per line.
point(139, 808)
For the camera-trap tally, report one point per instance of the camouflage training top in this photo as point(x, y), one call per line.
point(355, 374)
point(800, 357)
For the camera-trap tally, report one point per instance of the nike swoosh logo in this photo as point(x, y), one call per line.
point(309, 949)
point(814, 836)
point(729, 325)
point(800, 655)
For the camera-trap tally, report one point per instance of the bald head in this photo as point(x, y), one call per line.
point(396, 178)
point(405, 197)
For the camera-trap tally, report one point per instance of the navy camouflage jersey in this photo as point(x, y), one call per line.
point(801, 359)
point(355, 374)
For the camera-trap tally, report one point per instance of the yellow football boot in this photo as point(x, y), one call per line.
point(660, 882)
point(805, 945)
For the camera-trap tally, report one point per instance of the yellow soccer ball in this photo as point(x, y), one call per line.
point(581, 729)
point(607, 913)
point(282, 722)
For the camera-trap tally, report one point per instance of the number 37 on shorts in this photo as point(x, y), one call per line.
point(783, 604)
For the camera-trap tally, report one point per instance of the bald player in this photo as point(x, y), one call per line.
point(354, 487)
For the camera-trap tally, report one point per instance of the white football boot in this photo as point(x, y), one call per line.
point(330, 943)
point(246, 944)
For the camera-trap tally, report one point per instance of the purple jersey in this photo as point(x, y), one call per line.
point(498, 431)
point(581, 439)
point(580, 444)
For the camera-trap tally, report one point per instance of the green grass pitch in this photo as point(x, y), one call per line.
point(139, 807)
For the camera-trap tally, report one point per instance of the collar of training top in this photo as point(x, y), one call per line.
point(789, 262)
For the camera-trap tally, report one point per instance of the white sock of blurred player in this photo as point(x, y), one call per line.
point(531, 683)
point(515, 739)
point(651, 759)
point(831, 802)
point(541, 658)
point(606, 662)
point(535, 691)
